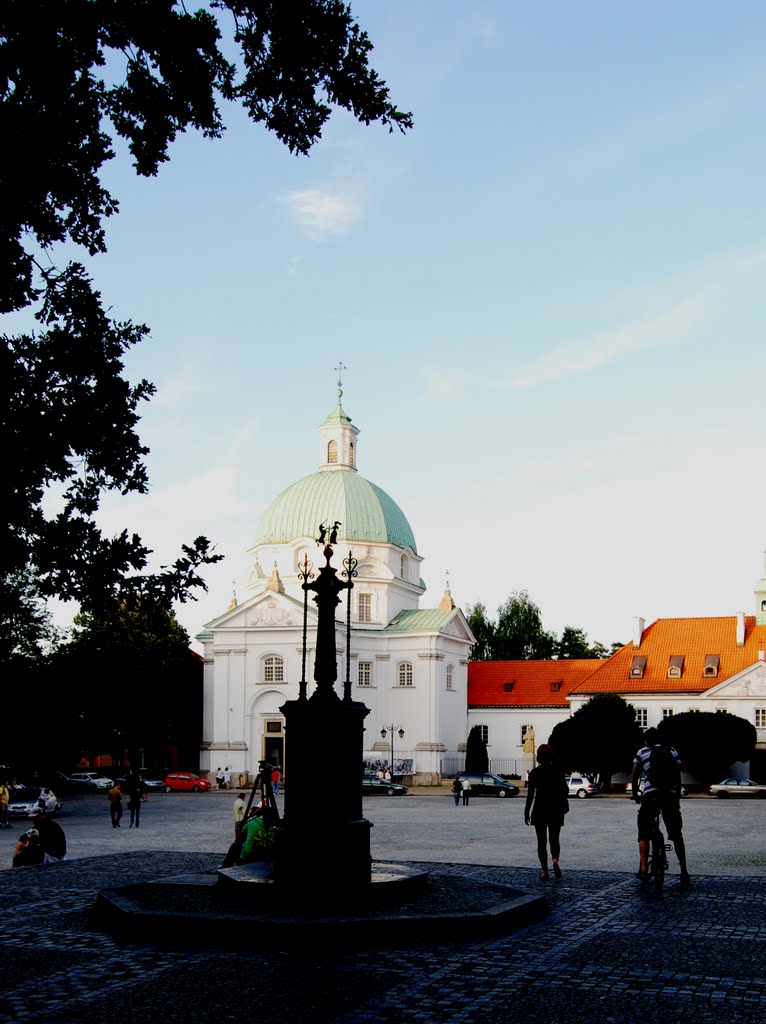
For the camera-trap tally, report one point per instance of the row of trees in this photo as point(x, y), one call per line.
point(518, 634)
point(602, 737)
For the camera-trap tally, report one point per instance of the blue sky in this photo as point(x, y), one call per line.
point(549, 296)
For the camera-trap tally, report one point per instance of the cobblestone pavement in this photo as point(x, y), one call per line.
point(607, 952)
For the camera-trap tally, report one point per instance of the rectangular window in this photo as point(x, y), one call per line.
point(484, 730)
point(667, 712)
point(760, 718)
point(642, 717)
point(274, 670)
point(365, 607)
point(405, 674)
point(365, 673)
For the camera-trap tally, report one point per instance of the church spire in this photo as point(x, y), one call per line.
point(337, 435)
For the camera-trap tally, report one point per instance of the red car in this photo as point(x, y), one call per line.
point(175, 781)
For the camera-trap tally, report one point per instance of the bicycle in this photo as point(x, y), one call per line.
point(657, 862)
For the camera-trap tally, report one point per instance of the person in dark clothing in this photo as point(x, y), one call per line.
point(547, 803)
point(135, 787)
point(52, 838)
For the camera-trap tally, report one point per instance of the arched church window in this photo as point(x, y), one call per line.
point(273, 669)
point(351, 454)
point(405, 673)
point(404, 567)
point(332, 452)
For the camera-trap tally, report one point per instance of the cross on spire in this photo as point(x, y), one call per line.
point(340, 368)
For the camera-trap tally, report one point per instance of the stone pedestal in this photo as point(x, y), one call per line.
point(322, 846)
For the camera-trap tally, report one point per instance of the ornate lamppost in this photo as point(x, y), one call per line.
point(392, 728)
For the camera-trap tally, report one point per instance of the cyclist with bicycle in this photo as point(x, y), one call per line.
point(659, 766)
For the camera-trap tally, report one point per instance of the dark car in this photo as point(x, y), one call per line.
point(372, 785)
point(150, 781)
point(489, 785)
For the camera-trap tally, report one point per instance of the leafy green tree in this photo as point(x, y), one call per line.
point(600, 738)
point(26, 627)
point(519, 632)
point(573, 643)
point(75, 75)
point(134, 684)
point(708, 742)
point(476, 757)
point(483, 629)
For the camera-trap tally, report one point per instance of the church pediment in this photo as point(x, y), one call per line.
point(269, 610)
point(751, 682)
point(457, 626)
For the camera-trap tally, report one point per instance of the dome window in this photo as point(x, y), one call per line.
point(351, 456)
point(332, 453)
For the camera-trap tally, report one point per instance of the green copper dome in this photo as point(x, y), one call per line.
point(365, 512)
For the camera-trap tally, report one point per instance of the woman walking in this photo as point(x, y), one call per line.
point(547, 803)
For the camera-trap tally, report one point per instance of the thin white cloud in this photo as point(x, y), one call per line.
point(675, 316)
point(321, 212)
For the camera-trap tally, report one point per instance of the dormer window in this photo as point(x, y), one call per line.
point(332, 452)
point(675, 666)
point(508, 687)
point(638, 667)
point(556, 685)
point(711, 665)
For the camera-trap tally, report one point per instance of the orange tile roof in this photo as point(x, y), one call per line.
point(692, 638)
point(532, 682)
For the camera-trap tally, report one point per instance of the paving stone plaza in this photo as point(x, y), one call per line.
point(606, 951)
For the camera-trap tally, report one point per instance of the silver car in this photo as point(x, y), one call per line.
point(738, 787)
point(26, 803)
point(91, 780)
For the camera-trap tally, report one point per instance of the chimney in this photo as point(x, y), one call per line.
point(740, 629)
point(762, 655)
point(638, 630)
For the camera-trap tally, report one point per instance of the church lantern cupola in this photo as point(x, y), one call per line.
point(337, 437)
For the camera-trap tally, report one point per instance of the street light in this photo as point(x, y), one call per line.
point(392, 728)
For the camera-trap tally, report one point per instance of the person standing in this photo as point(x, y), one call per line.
point(5, 796)
point(465, 787)
point(457, 789)
point(227, 777)
point(276, 776)
point(135, 787)
point(115, 804)
point(219, 778)
point(547, 803)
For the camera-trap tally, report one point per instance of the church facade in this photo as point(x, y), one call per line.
point(407, 664)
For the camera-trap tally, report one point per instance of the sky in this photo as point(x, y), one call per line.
point(549, 297)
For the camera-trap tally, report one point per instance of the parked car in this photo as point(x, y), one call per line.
point(489, 785)
point(580, 785)
point(738, 787)
point(185, 782)
point(151, 782)
point(372, 785)
point(25, 802)
point(90, 780)
point(629, 789)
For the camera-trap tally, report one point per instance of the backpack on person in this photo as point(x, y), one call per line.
point(662, 768)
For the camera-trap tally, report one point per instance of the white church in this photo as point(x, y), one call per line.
point(407, 664)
